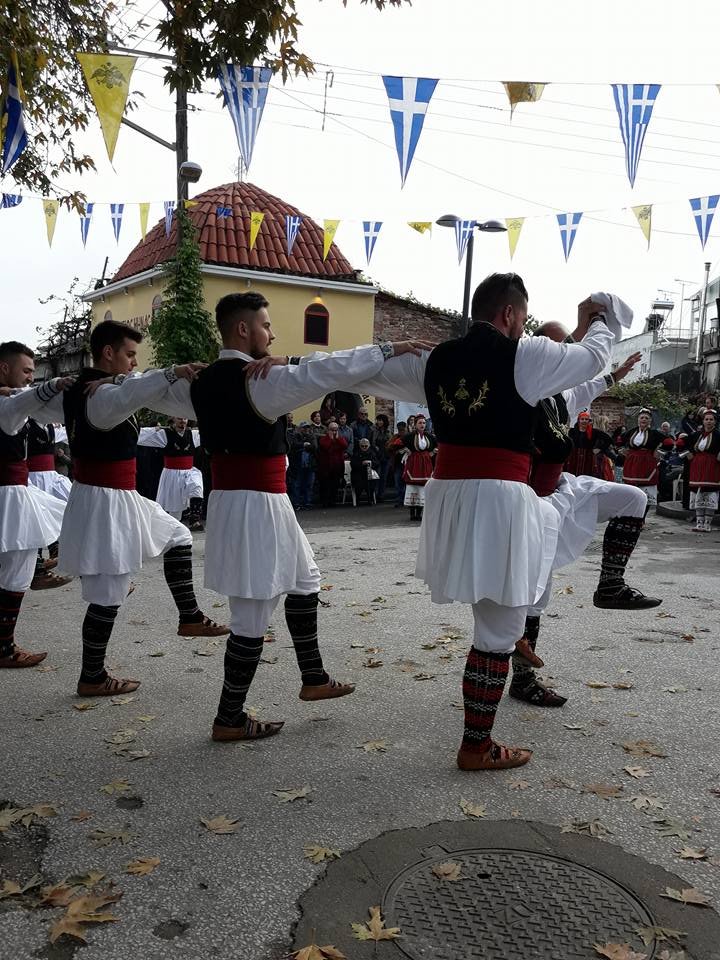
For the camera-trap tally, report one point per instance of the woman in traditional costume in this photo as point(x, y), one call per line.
point(418, 466)
point(703, 452)
point(642, 448)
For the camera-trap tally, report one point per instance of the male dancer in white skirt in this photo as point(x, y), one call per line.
point(487, 539)
point(181, 482)
point(256, 551)
point(41, 443)
point(108, 528)
point(29, 518)
point(582, 502)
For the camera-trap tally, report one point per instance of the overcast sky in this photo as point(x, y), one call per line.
point(561, 154)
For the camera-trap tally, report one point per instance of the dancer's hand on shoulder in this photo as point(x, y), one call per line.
point(188, 371)
point(5, 392)
point(259, 369)
point(416, 347)
point(63, 383)
point(95, 385)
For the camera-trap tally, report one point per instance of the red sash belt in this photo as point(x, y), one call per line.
point(455, 462)
point(116, 474)
point(41, 462)
point(178, 463)
point(13, 473)
point(545, 478)
point(248, 471)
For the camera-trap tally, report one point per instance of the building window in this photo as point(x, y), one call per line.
point(108, 315)
point(156, 303)
point(317, 324)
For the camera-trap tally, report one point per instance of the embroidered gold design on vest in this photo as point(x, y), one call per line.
point(447, 406)
point(479, 401)
point(461, 392)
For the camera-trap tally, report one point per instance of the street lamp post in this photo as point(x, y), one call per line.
point(487, 226)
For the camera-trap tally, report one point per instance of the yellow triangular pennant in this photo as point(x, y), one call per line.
point(422, 226)
point(523, 93)
point(644, 218)
point(50, 208)
point(514, 226)
point(144, 211)
point(189, 204)
point(330, 231)
point(256, 219)
point(108, 79)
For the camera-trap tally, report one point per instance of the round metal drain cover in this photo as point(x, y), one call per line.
point(510, 905)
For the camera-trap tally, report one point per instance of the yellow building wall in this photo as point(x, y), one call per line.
point(351, 316)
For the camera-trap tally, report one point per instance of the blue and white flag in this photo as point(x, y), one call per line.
point(15, 138)
point(409, 99)
point(169, 207)
point(371, 229)
point(116, 215)
point(10, 200)
point(704, 209)
point(634, 102)
point(568, 223)
point(245, 91)
point(292, 228)
point(223, 213)
point(463, 232)
point(85, 219)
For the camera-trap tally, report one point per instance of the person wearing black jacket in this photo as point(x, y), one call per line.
point(363, 464)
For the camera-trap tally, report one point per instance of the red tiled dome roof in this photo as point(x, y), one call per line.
point(225, 240)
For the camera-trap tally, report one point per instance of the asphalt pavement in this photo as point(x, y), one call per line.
point(134, 779)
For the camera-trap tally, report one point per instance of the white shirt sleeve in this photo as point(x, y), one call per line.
point(31, 402)
point(176, 401)
point(196, 436)
point(401, 378)
point(112, 403)
point(60, 433)
point(296, 384)
point(580, 398)
point(152, 437)
point(544, 368)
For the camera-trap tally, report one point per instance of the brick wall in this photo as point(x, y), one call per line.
point(401, 319)
point(606, 411)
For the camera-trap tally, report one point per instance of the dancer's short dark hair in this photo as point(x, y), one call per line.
point(110, 333)
point(230, 306)
point(495, 292)
point(13, 348)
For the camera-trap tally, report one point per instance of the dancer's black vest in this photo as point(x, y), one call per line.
point(41, 439)
point(471, 395)
point(178, 446)
point(227, 420)
point(13, 449)
point(553, 443)
point(88, 442)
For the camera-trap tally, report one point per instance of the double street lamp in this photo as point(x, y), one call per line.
point(488, 226)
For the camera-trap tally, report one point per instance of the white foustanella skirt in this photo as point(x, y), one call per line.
point(486, 539)
point(112, 531)
point(178, 487)
point(29, 518)
point(51, 482)
point(255, 548)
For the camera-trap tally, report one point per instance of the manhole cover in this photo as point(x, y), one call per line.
point(510, 905)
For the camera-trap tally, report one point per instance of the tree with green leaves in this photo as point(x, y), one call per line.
point(652, 394)
point(182, 330)
point(198, 34)
point(65, 344)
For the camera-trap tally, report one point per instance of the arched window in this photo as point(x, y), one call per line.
point(156, 303)
point(317, 323)
point(108, 315)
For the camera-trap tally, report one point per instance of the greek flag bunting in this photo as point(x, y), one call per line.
point(169, 208)
point(292, 228)
point(409, 98)
point(703, 209)
point(371, 229)
point(222, 213)
point(634, 102)
point(10, 200)
point(12, 120)
point(463, 232)
point(85, 219)
point(245, 91)
point(568, 223)
point(116, 215)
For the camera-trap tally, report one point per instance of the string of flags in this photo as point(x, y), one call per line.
point(703, 210)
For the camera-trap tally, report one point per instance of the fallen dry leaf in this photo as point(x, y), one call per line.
point(319, 854)
point(447, 871)
point(374, 928)
point(607, 791)
point(25, 815)
point(122, 736)
point(692, 853)
point(423, 676)
point(82, 816)
point(661, 934)
point(564, 591)
point(121, 701)
point(519, 784)
point(103, 838)
point(429, 646)
point(142, 866)
point(623, 685)
point(598, 684)
point(220, 824)
point(669, 827)
point(687, 895)
point(314, 952)
point(373, 746)
point(472, 809)
point(85, 705)
point(642, 748)
point(89, 879)
point(644, 801)
point(289, 796)
point(58, 895)
point(116, 786)
point(573, 726)
point(81, 911)
point(591, 828)
point(637, 772)
point(371, 662)
point(10, 888)
point(618, 951)
point(665, 616)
